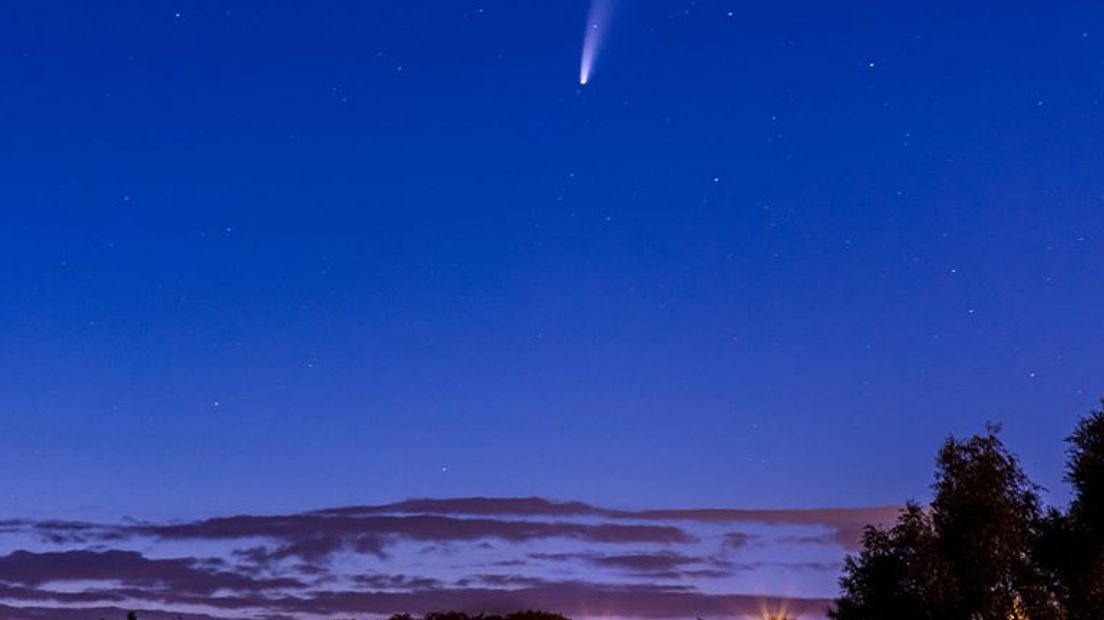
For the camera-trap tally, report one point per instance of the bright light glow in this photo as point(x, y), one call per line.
point(597, 24)
point(781, 613)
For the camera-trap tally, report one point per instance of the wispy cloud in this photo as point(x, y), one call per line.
point(472, 554)
point(180, 575)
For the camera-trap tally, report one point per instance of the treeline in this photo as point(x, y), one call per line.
point(986, 548)
point(529, 614)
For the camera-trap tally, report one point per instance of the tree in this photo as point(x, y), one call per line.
point(968, 558)
point(897, 575)
point(986, 516)
point(1072, 548)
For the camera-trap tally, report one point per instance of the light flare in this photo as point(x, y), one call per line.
point(782, 612)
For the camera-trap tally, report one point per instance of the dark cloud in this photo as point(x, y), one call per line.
point(806, 566)
point(85, 613)
point(736, 540)
point(812, 516)
point(501, 581)
point(314, 550)
point(397, 582)
point(847, 523)
point(660, 565)
point(183, 575)
point(541, 507)
point(371, 532)
point(646, 562)
point(506, 506)
point(13, 525)
point(383, 594)
point(571, 598)
point(849, 538)
point(38, 595)
point(370, 529)
point(286, 566)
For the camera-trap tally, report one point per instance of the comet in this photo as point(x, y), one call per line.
point(598, 19)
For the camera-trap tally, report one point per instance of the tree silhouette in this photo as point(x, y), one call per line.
point(969, 557)
point(1072, 548)
point(897, 575)
point(986, 518)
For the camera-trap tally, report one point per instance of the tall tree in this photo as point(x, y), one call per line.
point(1073, 548)
point(986, 518)
point(899, 573)
point(967, 558)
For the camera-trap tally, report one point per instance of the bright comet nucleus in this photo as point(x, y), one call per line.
point(597, 24)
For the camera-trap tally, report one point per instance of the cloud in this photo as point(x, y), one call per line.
point(84, 613)
point(177, 583)
point(314, 533)
point(571, 598)
point(664, 563)
point(470, 554)
point(185, 575)
point(848, 537)
point(398, 582)
point(371, 528)
point(541, 507)
point(736, 540)
point(847, 522)
point(501, 581)
point(647, 562)
point(792, 566)
point(505, 506)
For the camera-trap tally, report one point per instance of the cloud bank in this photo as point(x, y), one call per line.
point(472, 554)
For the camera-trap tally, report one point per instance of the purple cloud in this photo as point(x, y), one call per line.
point(315, 530)
point(470, 554)
point(185, 575)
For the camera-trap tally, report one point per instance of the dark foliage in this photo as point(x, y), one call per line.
point(1072, 546)
point(985, 549)
point(898, 574)
point(966, 558)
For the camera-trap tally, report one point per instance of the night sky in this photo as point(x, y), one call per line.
point(270, 258)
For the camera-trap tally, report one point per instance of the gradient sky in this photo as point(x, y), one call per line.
point(282, 256)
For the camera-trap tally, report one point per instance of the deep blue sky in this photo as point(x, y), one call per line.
point(282, 255)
